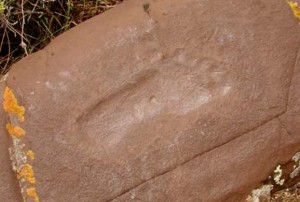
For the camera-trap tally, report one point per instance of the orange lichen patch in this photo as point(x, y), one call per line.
point(10, 104)
point(295, 8)
point(26, 172)
point(19, 156)
point(30, 154)
point(15, 130)
point(31, 192)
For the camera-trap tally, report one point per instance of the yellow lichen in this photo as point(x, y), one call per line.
point(10, 104)
point(26, 172)
point(31, 192)
point(19, 156)
point(15, 130)
point(295, 8)
point(30, 154)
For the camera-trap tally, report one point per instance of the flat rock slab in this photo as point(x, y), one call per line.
point(194, 101)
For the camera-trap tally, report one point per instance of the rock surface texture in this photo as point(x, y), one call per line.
point(196, 101)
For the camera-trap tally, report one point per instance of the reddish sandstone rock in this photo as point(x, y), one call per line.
point(197, 101)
